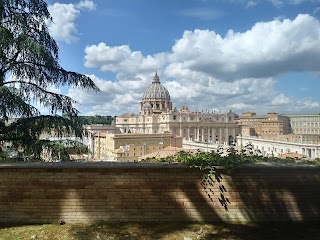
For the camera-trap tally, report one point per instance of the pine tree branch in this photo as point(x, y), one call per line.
point(12, 104)
point(55, 101)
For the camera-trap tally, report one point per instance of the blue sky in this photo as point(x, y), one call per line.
point(244, 55)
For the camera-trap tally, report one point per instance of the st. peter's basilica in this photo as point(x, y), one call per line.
point(157, 115)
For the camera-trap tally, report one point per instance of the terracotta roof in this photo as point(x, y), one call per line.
point(78, 156)
point(166, 152)
point(291, 155)
point(118, 150)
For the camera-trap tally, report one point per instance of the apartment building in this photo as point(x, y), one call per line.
point(130, 147)
point(267, 126)
point(305, 123)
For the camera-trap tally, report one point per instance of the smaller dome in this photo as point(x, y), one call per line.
point(185, 108)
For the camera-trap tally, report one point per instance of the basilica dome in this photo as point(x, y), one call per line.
point(157, 96)
point(156, 91)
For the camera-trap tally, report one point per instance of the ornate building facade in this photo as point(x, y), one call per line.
point(157, 116)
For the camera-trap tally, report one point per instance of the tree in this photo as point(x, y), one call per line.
point(97, 119)
point(29, 66)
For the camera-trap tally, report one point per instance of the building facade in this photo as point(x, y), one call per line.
point(305, 123)
point(157, 115)
point(271, 147)
point(268, 126)
point(130, 147)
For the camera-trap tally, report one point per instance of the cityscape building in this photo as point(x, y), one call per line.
point(157, 115)
point(268, 126)
point(131, 146)
point(304, 123)
point(276, 148)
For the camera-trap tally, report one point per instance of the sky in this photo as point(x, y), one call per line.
point(245, 55)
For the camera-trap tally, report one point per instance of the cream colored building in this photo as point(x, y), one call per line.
point(305, 123)
point(130, 147)
point(295, 128)
point(299, 138)
point(157, 115)
point(271, 147)
point(268, 126)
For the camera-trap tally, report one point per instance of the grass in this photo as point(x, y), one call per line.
point(166, 231)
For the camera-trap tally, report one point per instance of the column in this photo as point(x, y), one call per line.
point(202, 134)
point(220, 135)
point(98, 145)
point(213, 134)
point(91, 142)
point(226, 136)
point(197, 135)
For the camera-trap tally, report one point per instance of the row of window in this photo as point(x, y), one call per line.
point(143, 143)
point(306, 119)
point(133, 120)
point(299, 124)
point(312, 131)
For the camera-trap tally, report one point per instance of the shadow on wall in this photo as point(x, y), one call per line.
point(134, 193)
point(278, 193)
point(158, 193)
point(140, 194)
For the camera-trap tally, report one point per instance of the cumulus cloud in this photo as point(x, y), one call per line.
point(121, 59)
point(252, 3)
point(86, 4)
point(63, 26)
point(281, 99)
point(275, 3)
point(210, 71)
point(114, 98)
point(267, 49)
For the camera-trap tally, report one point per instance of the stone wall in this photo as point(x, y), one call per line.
point(141, 192)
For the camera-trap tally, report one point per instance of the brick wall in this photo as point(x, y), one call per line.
point(86, 192)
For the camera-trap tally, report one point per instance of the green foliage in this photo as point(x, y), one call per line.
point(97, 119)
point(208, 161)
point(29, 68)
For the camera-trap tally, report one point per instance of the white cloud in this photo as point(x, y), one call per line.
point(63, 26)
point(268, 49)
point(291, 105)
point(209, 71)
point(121, 59)
point(86, 4)
point(281, 99)
point(252, 3)
point(114, 98)
point(277, 3)
point(302, 1)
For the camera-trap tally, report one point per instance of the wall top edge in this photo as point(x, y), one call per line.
point(91, 165)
